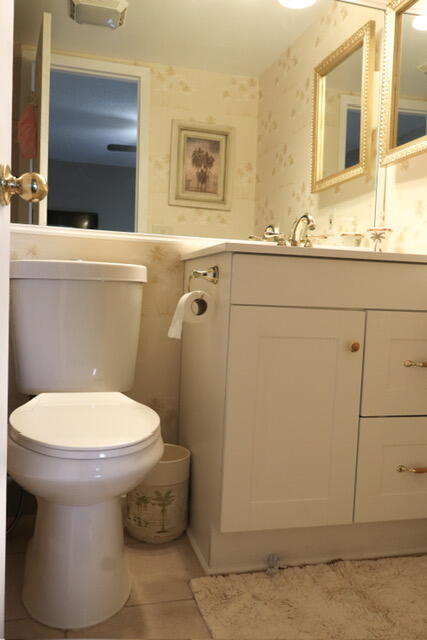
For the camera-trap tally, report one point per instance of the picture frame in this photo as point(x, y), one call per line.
point(201, 165)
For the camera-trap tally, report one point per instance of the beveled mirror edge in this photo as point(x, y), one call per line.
point(388, 153)
point(365, 38)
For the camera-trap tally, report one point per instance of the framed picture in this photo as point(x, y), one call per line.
point(201, 159)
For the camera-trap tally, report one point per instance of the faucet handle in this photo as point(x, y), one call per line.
point(309, 239)
point(270, 230)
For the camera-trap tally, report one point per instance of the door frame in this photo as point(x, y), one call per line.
point(6, 66)
point(78, 64)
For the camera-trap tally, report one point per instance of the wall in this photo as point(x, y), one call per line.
point(405, 205)
point(213, 98)
point(103, 189)
point(284, 139)
point(158, 362)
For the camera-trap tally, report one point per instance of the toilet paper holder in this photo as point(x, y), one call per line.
point(211, 275)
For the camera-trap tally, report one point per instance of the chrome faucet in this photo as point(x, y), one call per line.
point(298, 236)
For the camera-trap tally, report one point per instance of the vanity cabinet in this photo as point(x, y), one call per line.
point(298, 408)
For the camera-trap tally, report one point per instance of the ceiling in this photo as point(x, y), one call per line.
point(227, 36)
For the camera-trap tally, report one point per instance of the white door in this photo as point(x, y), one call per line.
point(6, 49)
point(42, 96)
point(292, 417)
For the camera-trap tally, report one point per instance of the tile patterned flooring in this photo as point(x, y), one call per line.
point(161, 605)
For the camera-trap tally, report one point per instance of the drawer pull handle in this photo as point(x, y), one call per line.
point(354, 347)
point(403, 467)
point(411, 363)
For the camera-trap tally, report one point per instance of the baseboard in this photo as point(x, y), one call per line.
point(248, 551)
point(199, 554)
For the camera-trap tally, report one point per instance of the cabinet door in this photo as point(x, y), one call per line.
point(389, 387)
point(384, 493)
point(293, 395)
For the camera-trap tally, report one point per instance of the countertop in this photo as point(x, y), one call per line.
point(331, 252)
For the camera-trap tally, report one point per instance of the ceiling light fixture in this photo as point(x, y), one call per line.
point(296, 4)
point(420, 23)
point(103, 13)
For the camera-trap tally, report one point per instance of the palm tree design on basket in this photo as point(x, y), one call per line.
point(203, 161)
point(143, 501)
point(163, 500)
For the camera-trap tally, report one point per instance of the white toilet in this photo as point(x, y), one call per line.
point(79, 444)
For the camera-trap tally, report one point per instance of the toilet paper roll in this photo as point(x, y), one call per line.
point(195, 306)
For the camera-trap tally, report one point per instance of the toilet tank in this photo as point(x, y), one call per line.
point(75, 324)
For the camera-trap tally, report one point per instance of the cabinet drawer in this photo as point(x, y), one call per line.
point(389, 387)
point(321, 282)
point(382, 493)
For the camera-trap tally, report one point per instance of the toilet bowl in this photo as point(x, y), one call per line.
point(77, 453)
point(79, 443)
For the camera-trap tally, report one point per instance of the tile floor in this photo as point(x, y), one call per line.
point(161, 605)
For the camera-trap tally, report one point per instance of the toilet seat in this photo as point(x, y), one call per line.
point(84, 425)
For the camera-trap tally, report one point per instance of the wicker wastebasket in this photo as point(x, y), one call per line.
point(157, 508)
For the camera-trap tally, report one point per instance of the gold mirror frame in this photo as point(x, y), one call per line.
point(365, 38)
point(389, 153)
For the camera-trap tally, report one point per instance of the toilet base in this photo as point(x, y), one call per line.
point(75, 569)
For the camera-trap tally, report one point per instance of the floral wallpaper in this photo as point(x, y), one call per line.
point(158, 362)
point(199, 96)
point(284, 133)
point(405, 205)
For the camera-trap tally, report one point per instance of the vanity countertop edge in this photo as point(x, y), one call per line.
point(336, 253)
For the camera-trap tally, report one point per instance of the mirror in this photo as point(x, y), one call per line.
point(404, 109)
point(342, 129)
point(92, 151)
point(236, 66)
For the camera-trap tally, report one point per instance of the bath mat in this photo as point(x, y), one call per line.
point(382, 599)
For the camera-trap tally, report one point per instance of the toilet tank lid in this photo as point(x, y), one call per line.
point(77, 270)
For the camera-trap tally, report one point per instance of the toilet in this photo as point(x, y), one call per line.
point(79, 444)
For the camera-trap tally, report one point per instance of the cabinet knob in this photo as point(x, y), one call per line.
point(354, 347)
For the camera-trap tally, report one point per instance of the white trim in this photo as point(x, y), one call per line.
point(42, 68)
point(119, 236)
point(6, 65)
point(143, 76)
point(413, 106)
point(346, 101)
point(200, 557)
